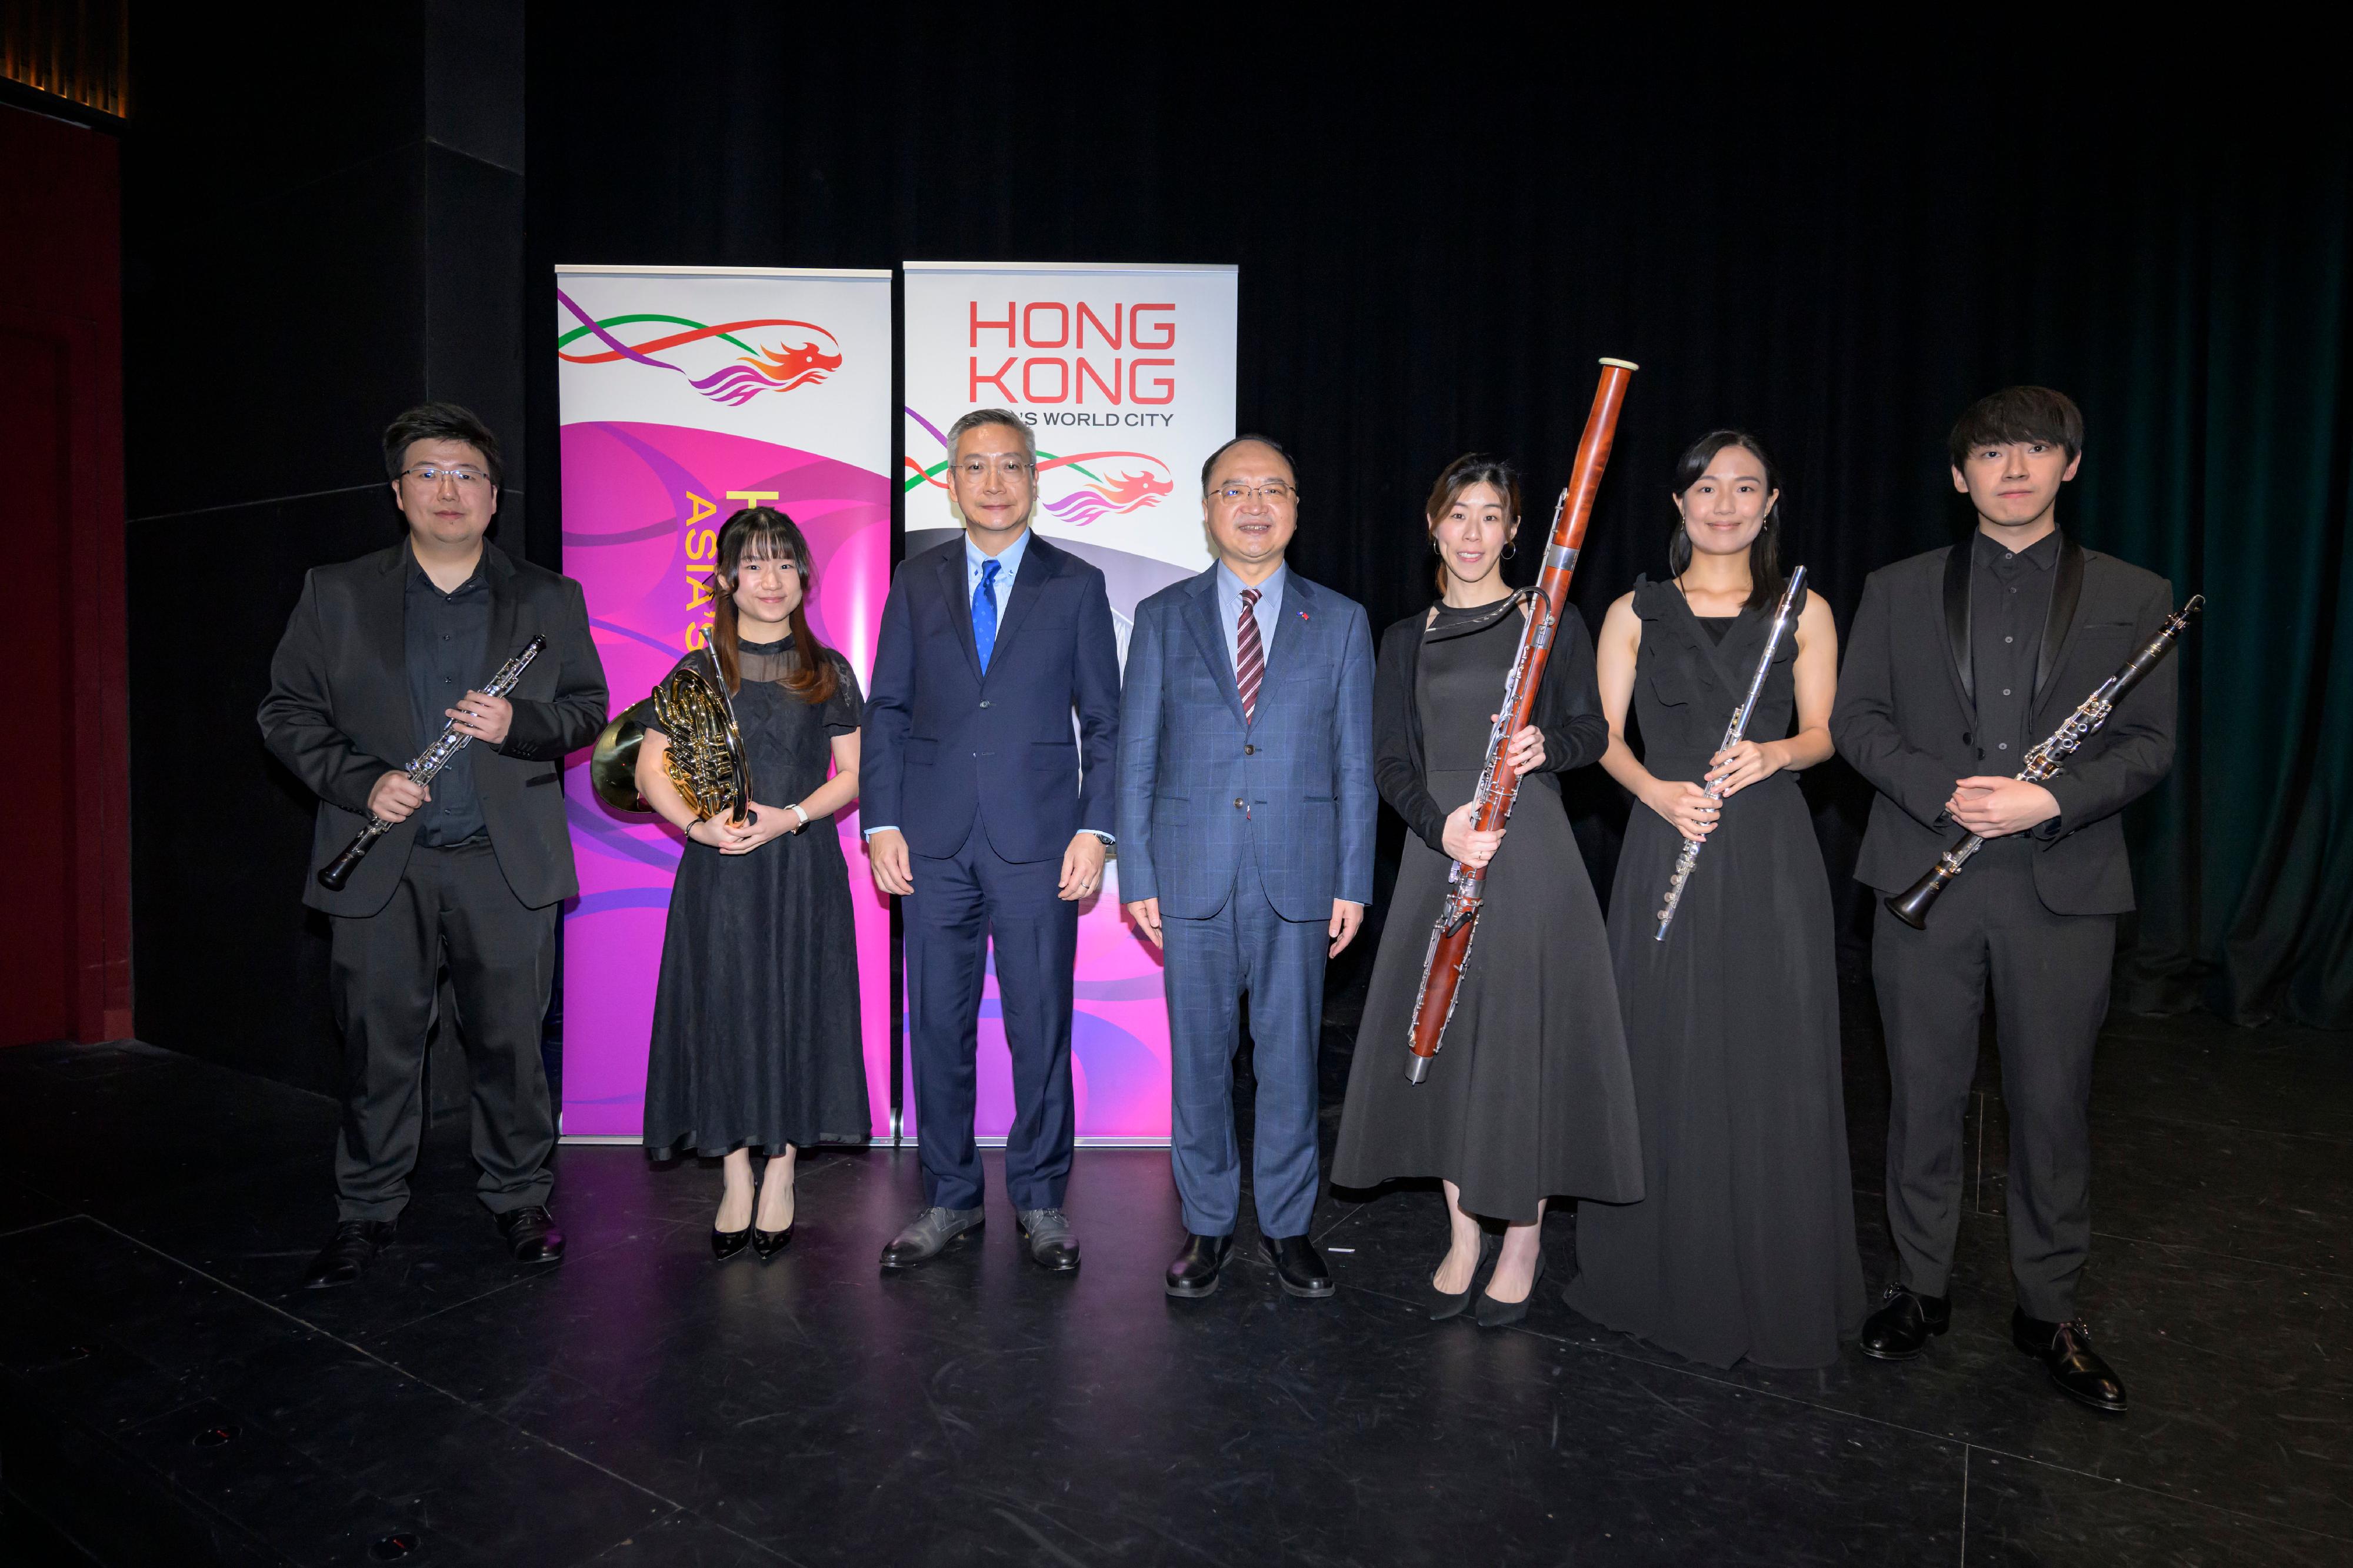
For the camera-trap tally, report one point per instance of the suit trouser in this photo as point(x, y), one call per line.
point(1247, 946)
point(960, 904)
point(451, 903)
point(2050, 975)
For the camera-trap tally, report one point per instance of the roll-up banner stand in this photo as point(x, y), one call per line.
point(686, 393)
point(1126, 375)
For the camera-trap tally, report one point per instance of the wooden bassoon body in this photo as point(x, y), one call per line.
point(1499, 788)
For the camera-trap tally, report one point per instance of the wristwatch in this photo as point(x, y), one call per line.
point(796, 809)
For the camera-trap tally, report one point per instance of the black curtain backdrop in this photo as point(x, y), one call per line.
point(1836, 245)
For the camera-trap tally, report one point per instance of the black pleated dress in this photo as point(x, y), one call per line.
point(1743, 1248)
point(756, 1036)
point(1530, 1097)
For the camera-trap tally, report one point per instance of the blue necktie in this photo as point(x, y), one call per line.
point(984, 614)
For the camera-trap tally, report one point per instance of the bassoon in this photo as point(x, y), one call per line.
point(2048, 759)
point(1499, 786)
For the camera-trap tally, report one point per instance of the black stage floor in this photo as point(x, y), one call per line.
point(174, 1399)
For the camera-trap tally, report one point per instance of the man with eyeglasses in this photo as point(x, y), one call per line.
point(990, 818)
point(1246, 815)
point(381, 653)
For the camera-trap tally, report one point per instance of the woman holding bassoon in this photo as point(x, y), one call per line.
point(1745, 1247)
point(1532, 1098)
point(756, 1043)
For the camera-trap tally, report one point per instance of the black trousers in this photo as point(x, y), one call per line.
point(2050, 978)
point(452, 904)
point(961, 903)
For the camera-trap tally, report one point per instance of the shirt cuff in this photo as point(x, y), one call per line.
point(886, 828)
point(1099, 833)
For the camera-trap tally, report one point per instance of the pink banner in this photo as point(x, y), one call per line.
point(642, 506)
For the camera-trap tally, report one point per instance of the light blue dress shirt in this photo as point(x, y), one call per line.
point(1267, 613)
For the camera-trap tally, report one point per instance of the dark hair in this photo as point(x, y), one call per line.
point(1209, 465)
point(764, 531)
point(1764, 550)
point(2018, 413)
point(439, 422)
point(1470, 468)
point(1005, 416)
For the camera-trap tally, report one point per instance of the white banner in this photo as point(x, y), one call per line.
point(1125, 376)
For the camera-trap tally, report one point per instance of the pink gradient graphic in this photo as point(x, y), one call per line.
point(638, 499)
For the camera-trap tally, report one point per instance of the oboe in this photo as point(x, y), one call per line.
point(1458, 919)
point(1732, 737)
point(430, 762)
point(2048, 759)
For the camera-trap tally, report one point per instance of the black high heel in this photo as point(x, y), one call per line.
point(726, 1244)
point(1443, 1306)
point(768, 1243)
point(1494, 1315)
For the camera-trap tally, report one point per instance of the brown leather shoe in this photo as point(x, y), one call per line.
point(2066, 1354)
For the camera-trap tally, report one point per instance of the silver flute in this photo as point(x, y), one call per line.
point(1732, 736)
point(430, 762)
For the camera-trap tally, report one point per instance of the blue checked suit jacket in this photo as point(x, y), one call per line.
point(1294, 787)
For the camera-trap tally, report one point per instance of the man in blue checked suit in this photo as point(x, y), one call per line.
point(1246, 809)
point(990, 819)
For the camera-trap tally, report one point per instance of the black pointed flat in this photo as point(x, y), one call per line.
point(726, 1244)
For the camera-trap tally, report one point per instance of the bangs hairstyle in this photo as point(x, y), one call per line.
point(760, 532)
point(1470, 468)
point(439, 422)
point(2018, 413)
point(1764, 550)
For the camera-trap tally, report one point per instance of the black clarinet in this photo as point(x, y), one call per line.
point(2048, 759)
point(430, 762)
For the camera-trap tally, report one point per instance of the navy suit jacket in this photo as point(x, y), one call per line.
point(1198, 788)
point(945, 743)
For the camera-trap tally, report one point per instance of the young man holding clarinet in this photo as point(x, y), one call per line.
point(1961, 661)
point(463, 856)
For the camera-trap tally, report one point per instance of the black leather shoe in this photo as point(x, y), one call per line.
point(768, 1243)
point(726, 1244)
point(1494, 1315)
point(1443, 1306)
point(531, 1235)
point(345, 1259)
point(1195, 1273)
point(1048, 1237)
point(1900, 1328)
point(2066, 1354)
point(1298, 1265)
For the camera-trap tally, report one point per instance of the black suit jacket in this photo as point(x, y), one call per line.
point(1906, 719)
point(338, 714)
point(943, 742)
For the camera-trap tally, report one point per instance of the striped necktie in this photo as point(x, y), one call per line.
point(1250, 656)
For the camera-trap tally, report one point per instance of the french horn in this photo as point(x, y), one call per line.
point(704, 760)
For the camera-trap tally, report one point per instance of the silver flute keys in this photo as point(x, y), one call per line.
point(1732, 736)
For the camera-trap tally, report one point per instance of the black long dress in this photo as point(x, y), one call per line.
point(756, 1035)
point(1530, 1096)
point(1745, 1248)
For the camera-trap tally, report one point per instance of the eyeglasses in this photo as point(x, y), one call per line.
point(981, 467)
point(1273, 490)
point(465, 479)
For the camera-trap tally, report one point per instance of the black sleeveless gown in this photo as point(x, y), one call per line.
point(1530, 1097)
point(1744, 1247)
point(756, 1035)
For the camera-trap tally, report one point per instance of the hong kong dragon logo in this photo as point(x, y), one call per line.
point(1079, 488)
point(796, 354)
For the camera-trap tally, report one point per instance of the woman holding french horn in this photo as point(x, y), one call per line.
point(755, 1033)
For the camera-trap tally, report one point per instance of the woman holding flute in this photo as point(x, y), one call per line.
point(1531, 1098)
point(1745, 1247)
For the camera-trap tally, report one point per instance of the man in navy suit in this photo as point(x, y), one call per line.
point(1246, 810)
point(991, 819)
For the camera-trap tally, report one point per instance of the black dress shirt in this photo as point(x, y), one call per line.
point(448, 650)
point(2009, 600)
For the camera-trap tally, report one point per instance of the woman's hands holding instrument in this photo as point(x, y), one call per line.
point(1685, 806)
point(1467, 844)
point(730, 836)
point(1744, 762)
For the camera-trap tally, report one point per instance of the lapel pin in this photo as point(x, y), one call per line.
point(1303, 615)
